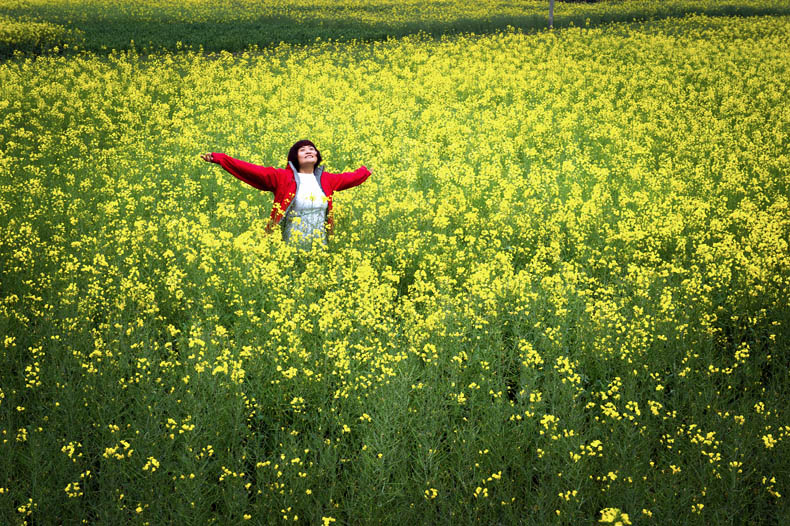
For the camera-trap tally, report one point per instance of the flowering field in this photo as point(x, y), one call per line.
point(233, 25)
point(560, 298)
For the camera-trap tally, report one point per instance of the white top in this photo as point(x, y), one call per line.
point(306, 221)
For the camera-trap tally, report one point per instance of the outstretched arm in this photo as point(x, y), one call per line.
point(260, 177)
point(345, 180)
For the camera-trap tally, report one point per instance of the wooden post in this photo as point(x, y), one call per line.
point(551, 14)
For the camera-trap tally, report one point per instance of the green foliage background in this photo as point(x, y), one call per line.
point(235, 25)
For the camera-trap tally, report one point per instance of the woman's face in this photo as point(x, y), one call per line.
point(307, 156)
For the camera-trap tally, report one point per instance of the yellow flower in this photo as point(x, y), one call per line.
point(614, 516)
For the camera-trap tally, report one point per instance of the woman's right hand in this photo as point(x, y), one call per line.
point(207, 157)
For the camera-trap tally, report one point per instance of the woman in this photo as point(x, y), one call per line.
point(302, 191)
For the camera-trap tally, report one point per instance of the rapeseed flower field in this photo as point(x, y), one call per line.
point(234, 25)
point(560, 298)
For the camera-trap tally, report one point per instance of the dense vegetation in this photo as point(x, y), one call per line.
point(560, 298)
point(100, 26)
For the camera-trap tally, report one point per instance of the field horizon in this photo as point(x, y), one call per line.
point(96, 26)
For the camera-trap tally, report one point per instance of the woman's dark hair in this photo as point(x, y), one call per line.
point(293, 153)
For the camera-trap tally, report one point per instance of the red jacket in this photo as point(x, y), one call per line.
point(282, 182)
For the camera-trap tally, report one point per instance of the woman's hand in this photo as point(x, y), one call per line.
point(207, 157)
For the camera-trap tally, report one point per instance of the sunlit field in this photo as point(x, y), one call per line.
point(233, 25)
point(560, 298)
